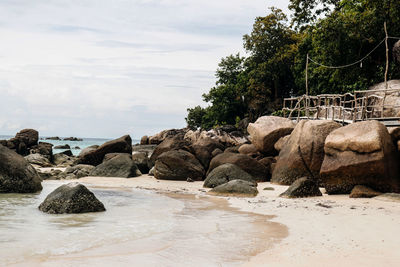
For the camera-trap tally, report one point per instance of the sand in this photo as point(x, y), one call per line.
point(323, 231)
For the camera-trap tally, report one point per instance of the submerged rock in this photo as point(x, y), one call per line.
point(16, 174)
point(119, 166)
point(71, 198)
point(239, 188)
point(225, 173)
point(303, 187)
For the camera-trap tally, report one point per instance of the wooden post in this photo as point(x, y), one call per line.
point(307, 75)
point(387, 56)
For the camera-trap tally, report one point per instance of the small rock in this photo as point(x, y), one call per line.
point(361, 191)
point(302, 187)
point(238, 188)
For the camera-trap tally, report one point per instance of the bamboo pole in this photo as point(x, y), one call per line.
point(307, 75)
point(387, 56)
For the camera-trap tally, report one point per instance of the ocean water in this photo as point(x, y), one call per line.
point(139, 228)
point(86, 142)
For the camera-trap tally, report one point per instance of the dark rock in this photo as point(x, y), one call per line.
point(176, 142)
point(302, 187)
point(178, 165)
point(16, 174)
point(238, 188)
point(396, 51)
point(95, 157)
point(73, 139)
point(113, 155)
point(87, 150)
point(225, 173)
point(361, 191)
point(62, 147)
point(56, 138)
point(148, 149)
point(71, 198)
point(203, 149)
point(189, 180)
point(79, 171)
point(45, 149)
point(76, 147)
point(246, 163)
point(161, 136)
point(142, 161)
point(29, 137)
point(38, 160)
point(361, 153)
point(303, 152)
point(118, 166)
point(144, 140)
point(232, 149)
point(216, 152)
point(62, 159)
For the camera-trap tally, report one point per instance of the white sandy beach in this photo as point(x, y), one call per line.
point(323, 231)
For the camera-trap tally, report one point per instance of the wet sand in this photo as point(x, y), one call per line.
point(323, 231)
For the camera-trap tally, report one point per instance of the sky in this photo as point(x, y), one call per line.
point(105, 68)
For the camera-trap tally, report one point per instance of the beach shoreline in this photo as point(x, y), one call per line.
point(333, 229)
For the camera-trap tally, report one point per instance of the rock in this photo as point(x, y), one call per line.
point(67, 153)
point(243, 124)
point(394, 133)
point(216, 152)
point(248, 149)
point(73, 139)
point(29, 137)
point(361, 191)
point(16, 174)
point(95, 157)
point(267, 130)
point(232, 149)
point(302, 187)
point(176, 142)
point(76, 147)
point(303, 152)
point(392, 98)
point(118, 166)
point(189, 180)
point(62, 147)
point(79, 171)
point(239, 188)
point(144, 140)
point(53, 174)
point(227, 139)
point(203, 149)
point(71, 198)
point(87, 150)
point(396, 51)
point(393, 197)
point(56, 138)
point(281, 142)
point(246, 163)
point(225, 173)
point(148, 149)
point(113, 155)
point(151, 172)
point(61, 159)
point(178, 165)
point(38, 160)
point(360, 154)
point(45, 149)
point(161, 136)
point(142, 161)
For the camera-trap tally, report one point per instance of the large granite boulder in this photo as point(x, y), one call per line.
point(120, 165)
point(95, 157)
point(246, 163)
point(267, 130)
point(225, 173)
point(175, 142)
point(360, 154)
point(39, 160)
point(236, 188)
point(22, 142)
point(178, 165)
point(302, 187)
point(28, 136)
point(71, 198)
point(16, 174)
point(88, 149)
point(303, 153)
point(203, 149)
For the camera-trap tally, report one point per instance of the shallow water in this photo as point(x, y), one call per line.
point(139, 228)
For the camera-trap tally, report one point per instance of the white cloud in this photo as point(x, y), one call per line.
point(104, 68)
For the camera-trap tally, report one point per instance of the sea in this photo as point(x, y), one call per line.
point(76, 146)
point(138, 228)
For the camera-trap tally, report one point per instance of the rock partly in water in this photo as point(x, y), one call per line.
point(303, 187)
point(303, 152)
point(267, 130)
point(225, 173)
point(16, 174)
point(73, 139)
point(246, 163)
point(71, 198)
point(360, 154)
point(237, 188)
point(66, 146)
point(95, 157)
point(119, 166)
point(361, 191)
point(178, 165)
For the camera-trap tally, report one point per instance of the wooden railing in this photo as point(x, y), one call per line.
point(346, 108)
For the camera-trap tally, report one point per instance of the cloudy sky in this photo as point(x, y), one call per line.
point(104, 68)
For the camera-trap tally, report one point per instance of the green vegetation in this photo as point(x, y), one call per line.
point(333, 32)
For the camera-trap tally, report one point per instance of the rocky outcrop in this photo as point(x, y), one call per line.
point(302, 187)
point(95, 157)
point(226, 135)
point(203, 149)
point(71, 198)
point(161, 136)
point(38, 160)
point(246, 163)
point(142, 161)
point(225, 173)
point(361, 191)
point(16, 174)
point(178, 165)
point(75, 139)
point(176, 142)
point(267, 130)
point(118, 166)
point(23, 141)
point(303, 152)
point(237, 188)
point(360, 154)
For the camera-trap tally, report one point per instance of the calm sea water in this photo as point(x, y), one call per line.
point(76, 146)
point(139, 228)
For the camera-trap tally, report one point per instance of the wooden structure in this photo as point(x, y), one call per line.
point(346, 108)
